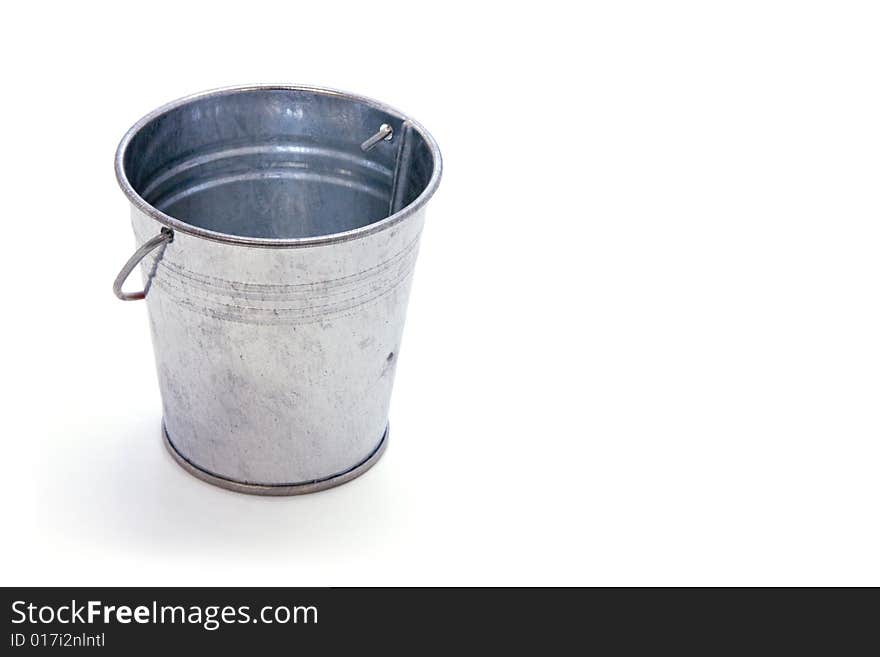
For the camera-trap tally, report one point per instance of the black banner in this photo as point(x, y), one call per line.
point(124, 620)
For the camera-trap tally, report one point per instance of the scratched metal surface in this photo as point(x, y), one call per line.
point(276, 348)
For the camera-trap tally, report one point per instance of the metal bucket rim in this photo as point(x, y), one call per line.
point(330, 238)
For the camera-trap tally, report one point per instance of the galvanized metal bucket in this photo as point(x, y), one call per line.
point(278, 227)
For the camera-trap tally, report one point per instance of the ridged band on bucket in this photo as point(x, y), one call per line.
point(277, 229)
point(276, 489)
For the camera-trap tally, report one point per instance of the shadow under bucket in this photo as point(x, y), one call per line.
point(278, 228)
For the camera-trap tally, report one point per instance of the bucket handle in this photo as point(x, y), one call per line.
point(164, 237)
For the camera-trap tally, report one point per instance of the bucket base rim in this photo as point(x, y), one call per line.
point(276, 489)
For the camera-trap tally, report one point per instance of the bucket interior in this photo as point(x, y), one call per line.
point(277, 163)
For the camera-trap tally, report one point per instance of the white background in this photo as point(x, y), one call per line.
point(643, 345)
